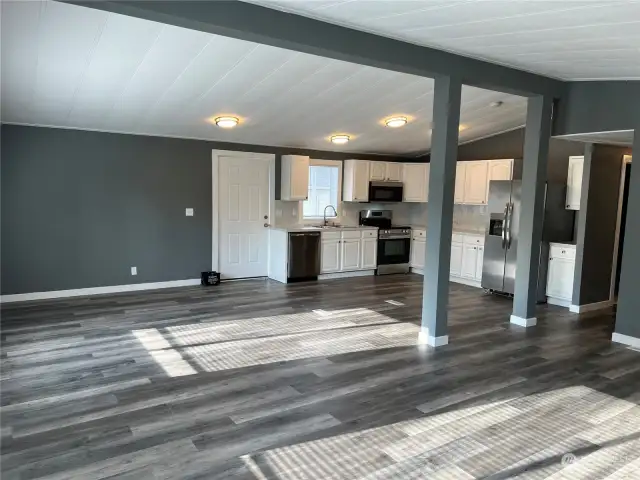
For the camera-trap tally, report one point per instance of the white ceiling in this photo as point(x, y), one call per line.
point(571, 40)
point(70, 66)
point(620, 137)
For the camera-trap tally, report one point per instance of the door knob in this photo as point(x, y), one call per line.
point(266, 216)
point(266, 225)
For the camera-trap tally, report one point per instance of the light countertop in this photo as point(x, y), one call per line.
point(310, 228)
point(563, 244)
point(459, 230)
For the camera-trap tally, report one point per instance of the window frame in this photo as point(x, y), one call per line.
point(316, 162)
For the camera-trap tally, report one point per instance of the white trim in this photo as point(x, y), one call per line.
point(590, 307)
point(523, 322)
point(560, 302)
point(626, 340)
point(489, 136)
point(81, 292)
point(425, 339)
point(355, 273)
point(215, 191)
point(626, 160)
point(568, 135)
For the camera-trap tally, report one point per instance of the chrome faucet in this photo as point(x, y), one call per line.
point(325, 213)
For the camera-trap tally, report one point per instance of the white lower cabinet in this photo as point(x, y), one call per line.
point(330, 255)
point(479, 261)
point(562, 264)
point(469, 261)
point(418, 251)
point(351, 254)
point(455, 268)
point(369, 253)
point(349, 250)
point(467, 255)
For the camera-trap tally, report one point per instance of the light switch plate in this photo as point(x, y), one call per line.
point(189, 212)
point(134, 270)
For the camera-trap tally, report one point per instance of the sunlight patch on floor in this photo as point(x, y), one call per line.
point(545, 435)
point(160, 350)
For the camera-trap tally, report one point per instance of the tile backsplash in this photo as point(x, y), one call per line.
point(464, 216)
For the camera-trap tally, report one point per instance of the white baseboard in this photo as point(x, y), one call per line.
point(356, 273)
point(524, 322)
point(418, 271)
point(425, 339)
point(80, 292)
point(626, 340)
point(465, 281)
point(590, 307)
point(559, 302)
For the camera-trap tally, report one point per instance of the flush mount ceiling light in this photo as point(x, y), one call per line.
point(340, 139)
point(226, 122)
point(395, 122)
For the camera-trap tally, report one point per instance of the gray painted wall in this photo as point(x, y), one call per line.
point(596, 232)
point(599, 107)
point(80, 208)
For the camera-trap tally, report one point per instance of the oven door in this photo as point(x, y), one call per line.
point(393, 251)
point(385, 192)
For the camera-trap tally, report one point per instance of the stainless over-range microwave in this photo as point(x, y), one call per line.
point(385, 192)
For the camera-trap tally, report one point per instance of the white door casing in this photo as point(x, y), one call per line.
point(242, 186)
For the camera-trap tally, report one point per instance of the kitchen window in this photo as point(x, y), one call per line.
point(324, 189)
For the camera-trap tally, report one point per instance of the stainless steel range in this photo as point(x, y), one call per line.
point(394, 242)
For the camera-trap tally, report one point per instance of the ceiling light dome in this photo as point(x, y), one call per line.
point(340, 139)
point(226, 122)
point(395, 122)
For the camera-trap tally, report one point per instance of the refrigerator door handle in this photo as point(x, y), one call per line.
point(504, 227)
point(508, 222)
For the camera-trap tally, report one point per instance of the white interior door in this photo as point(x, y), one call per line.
point(243, 204)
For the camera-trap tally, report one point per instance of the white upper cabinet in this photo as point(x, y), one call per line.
point(475, 183)
point(394, 172)
point(473, 177)
point(415, 182)
point(499, 169)
point(385, 171)
point(574, 182)
point(378, 171)
point(356, 181)
point(294, 178)
point(458, 196)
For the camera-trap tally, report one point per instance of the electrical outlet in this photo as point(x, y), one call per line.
point(189, 212)
point(134, 270)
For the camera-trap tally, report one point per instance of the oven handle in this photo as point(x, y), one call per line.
point(395, 238)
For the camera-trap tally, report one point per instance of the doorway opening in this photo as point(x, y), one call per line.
point(620, 226)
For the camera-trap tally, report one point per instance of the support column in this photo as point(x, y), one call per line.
point(627, 329)
point(444, 152)
point(534, 177)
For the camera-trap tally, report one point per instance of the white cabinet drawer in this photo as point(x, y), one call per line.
point(351, 234)
point(331, 235)
point(474, 240)
point(418, 234)
point(559, 251)
point(369, 234)
point(457, 238)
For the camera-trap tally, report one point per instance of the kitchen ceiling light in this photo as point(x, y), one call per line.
point(226, 122)
point(340, 139)
point(395, 122)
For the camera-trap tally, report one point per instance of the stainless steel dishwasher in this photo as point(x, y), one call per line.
point(304, 256)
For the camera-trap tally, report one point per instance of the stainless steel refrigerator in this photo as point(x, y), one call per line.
point(503, 231)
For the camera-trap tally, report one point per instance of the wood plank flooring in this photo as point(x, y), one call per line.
point(258, 380)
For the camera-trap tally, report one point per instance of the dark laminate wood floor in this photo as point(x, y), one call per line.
point(258, 380)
